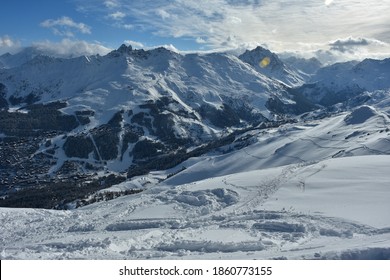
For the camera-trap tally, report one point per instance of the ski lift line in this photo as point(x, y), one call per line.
point(95, 146)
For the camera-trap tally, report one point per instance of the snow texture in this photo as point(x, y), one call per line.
point(317, 188)
point(310, 190)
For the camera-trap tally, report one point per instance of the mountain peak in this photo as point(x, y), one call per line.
point(258, 53)
point(370, 64)
point(260, 49)
point(308, 66)
point(262, 59)
point(268, 63)
point(125, 49)
point(25, 55)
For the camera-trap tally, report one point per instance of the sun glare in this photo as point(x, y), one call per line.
point(265, 62)
point(328, 2)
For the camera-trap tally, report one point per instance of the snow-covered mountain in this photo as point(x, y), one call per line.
point(311, 190)
point(345, 81)
point(134, 100)
point(307, 66)
point(8, 60)
point(224, 156)
point(370, 75)
point(269, 64)
point(215, 79)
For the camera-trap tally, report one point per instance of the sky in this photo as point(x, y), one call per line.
point(327, 29)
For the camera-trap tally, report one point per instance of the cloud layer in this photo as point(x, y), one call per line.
point(65, 26)
point(7, 44)
point(334, 29)
point(351, 44)
point(281, 24)
point(71, 48)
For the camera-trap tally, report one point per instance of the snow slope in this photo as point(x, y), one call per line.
point(346, 134)
point(308, 66)
point(343, 81)
point(297, 211)
point(313, 189)
point(8, 60)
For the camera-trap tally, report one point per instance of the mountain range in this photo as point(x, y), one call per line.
point(227, 142)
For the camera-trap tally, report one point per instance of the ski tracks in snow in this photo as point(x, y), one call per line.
point(219, 217)
point(265, 188)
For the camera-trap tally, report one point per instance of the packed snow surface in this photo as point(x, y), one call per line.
point(316, 210)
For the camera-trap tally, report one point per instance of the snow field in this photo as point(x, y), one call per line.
point(313, 189)
point(256, 214)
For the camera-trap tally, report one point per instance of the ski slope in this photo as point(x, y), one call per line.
point(322, 210)
point(315, 189)
point(360, 132)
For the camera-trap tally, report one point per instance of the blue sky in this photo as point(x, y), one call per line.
point(323, 28)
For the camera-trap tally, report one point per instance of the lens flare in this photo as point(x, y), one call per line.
point(265, 62)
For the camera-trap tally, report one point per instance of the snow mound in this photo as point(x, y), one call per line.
point(202, 202)
point(202, 198)
point(360, 115)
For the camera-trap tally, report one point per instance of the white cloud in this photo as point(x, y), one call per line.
point(65, 26)
point(328, 2)
point(111, 4)
point(7, 44)
point(281, 24)
point(117, 15)
point(71, 48)
point(345, 49)
point(127, 26)
point(200, 40)
point(163, 14)
point(235, 20)
point(350, 44)
point(134, 44)
point(168, 47)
